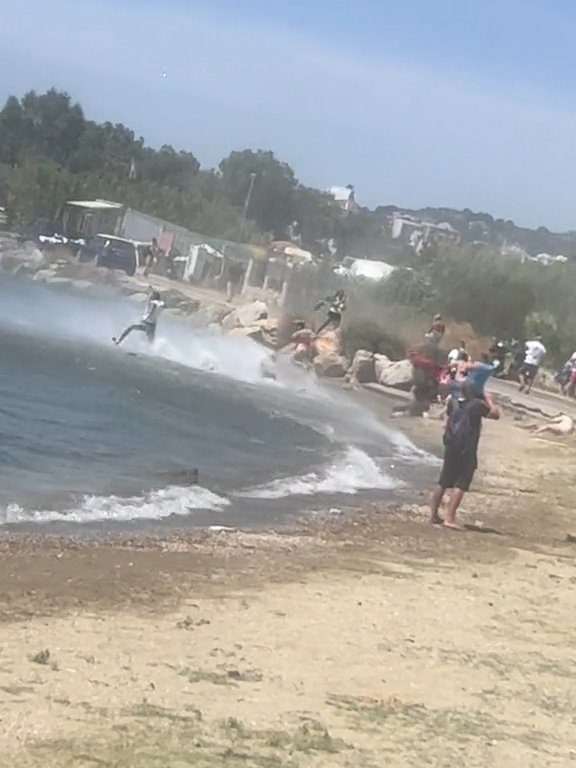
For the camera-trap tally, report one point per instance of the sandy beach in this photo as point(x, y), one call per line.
point(372, 638)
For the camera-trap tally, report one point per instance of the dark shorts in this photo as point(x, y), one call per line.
point(457, 471)
point(529, 371)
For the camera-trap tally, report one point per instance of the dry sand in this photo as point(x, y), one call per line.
point(372, 640)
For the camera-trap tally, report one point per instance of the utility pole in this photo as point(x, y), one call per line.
point(247, 204)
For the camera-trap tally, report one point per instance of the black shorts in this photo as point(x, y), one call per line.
point(457, 471)
point(529, 371)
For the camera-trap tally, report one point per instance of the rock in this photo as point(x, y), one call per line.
point(331, 365)
point(25, 256)
point(381, 363)
point(397, 375)
point(173, 312)
point(328, 342)
point(210, 315)
point(81, 285)
point(362, 369)
point(216, 329)
point(252, 332)
point(44, 274)
point(58, 281)
point(138, 298)
point(245, 316)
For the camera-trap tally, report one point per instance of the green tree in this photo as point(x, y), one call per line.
point(272, 204)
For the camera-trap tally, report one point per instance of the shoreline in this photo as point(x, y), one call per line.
point(368, 637)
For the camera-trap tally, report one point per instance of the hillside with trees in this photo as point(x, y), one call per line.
point(50, 152)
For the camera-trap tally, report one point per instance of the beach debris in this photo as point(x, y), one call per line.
point(42, 657)
point(221, 529)
point(189, 623)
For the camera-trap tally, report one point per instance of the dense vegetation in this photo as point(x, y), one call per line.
point(49, 152)
point(498, 297)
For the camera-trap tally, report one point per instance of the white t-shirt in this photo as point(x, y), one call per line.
point(535, 352)
point(453, 355)
point(153, 311)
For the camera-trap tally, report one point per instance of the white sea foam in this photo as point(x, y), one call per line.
point(155, 505)
point(354, 471)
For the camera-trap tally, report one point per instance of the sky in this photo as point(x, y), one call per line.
point(458, 103)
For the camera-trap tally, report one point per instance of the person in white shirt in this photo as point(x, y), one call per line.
point(458, 354)
point(149, 319)
point(534, 354)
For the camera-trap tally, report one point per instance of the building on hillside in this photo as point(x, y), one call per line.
point(414, 231)
point(370, 269)
point(345, 198)
point(547, 259)
point(515, 251)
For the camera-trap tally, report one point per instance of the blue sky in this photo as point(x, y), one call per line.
point(463, 103)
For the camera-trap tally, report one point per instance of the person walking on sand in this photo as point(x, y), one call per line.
point(461, 438)
point(534, 354)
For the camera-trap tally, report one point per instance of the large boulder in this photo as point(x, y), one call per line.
point(138, 298)
point(362, 370)
point(44, 274)
point(252, 332)
point(18, 257)
point(398, 375)
point(332, 365)
point(263, 331)
point(328, 342)
point(245, 316)
point(209, 314)
point(381, 363)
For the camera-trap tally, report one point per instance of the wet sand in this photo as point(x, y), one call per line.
point(371, 638)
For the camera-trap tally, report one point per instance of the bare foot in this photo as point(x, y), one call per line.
point(436, 520)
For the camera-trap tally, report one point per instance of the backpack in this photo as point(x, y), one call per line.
point(458, 435)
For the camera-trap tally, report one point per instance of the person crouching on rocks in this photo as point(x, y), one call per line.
point(304, 341)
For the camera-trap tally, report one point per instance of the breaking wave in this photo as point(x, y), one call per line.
point(156, 505)
point(353, 472)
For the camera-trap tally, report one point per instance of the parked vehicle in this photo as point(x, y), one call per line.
point(113, 252)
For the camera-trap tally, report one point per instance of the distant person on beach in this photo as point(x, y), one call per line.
point(534, 354)
point(461, 438)
point(336, 308)
point(436, 332)
point(149, 319)
point(498, 353)
point(152, 258)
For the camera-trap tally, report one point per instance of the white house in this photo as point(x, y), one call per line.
point(345, 197)
point(405, 227)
